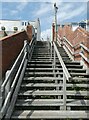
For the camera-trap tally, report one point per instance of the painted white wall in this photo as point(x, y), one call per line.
point(36, 25)
point(10, 24)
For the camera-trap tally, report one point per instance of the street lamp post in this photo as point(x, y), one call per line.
point(55, 9)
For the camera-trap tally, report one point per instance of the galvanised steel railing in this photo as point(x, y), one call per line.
point(12, 82)
point(66, 74)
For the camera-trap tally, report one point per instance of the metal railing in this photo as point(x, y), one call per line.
point(12, 76)
point(66, 74)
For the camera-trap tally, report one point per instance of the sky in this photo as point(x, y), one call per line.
point(68, 11)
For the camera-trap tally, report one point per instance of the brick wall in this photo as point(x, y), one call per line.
point(76, 37)
point(11, 47)
point(30, 31)
point(53, 31)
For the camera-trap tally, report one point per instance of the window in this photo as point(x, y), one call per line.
point(25, 23)
point(22, 23)
point(2, 28)
point(28, 23)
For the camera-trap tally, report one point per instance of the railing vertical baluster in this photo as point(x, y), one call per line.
point(64, 92)
point(26, 48)
point(82, 51)
point(7, 88)
point(51, 50)
point(0, 96)
point(59, 88)
point(54, 63)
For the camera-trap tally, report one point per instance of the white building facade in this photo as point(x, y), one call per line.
point(11, 25)
point(36, 25)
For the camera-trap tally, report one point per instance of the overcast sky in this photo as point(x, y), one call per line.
point(68, 11)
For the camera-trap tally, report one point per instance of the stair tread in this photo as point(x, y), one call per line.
point(43, 69)
point(72, 69)
point(47, 63)
point(43, 78)
point(52, 85)
point(51, 102)
point(80, 78)
point(53, 92)
point(49, 114)
point(51, 73)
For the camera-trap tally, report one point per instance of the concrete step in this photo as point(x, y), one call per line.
point(37, 74)
point(56, 69)
point(51, 114)
point(52, 93)
point(79, 74)
point(47, 104)
point(50, 102)
point(80, 79)
point(51, 73)
point(49, 59)
point(67, 63)
point(34, 79)
point(45, 54)
point(39, 85)
point(40, 57)
point(41, 65)
point(53, 85)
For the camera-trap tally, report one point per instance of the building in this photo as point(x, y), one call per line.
point(84, 24)
point(12, 26)
point(36, 25)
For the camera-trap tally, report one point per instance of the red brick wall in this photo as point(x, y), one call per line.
point(53, 31)
point(29, 31)
point(11, 46)
point(75, 37)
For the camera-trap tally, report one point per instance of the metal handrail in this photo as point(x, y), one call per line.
point(65, 70)
point(6, 80)
point(66, 74)
point(84, 47)
point(68, 42)
point(6, 101)
point(85, 58)
point(81, 45)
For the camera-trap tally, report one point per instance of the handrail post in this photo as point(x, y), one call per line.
point(26, 47)
point(25, 43)
point(7, 88)
point(51, 50)
point(54, 63)
point(0, 97)
point(64, 92)
point(82, 51)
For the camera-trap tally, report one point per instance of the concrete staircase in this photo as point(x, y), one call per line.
point(41, 92)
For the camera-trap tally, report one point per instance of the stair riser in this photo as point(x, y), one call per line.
point(41, 70)
point(36, 97)
point(70, 63)
point(50, 66)
point(37, 107)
